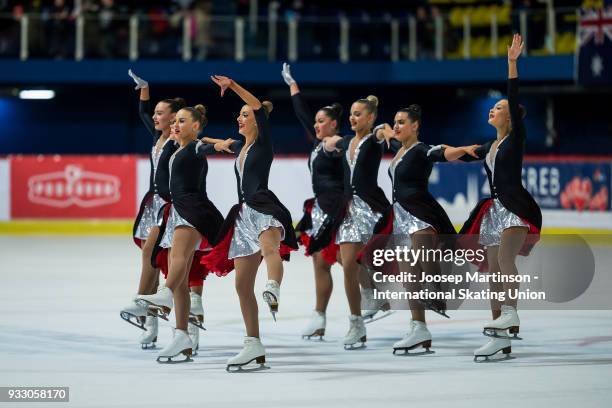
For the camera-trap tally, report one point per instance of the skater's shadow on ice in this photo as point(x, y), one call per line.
point(46, 342)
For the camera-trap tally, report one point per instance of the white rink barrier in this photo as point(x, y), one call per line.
point(559, 186)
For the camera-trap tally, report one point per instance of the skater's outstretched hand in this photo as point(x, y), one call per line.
point(385, 132)
point(140, 83)
point(330, 143)
point(516, 48)
point(224, 146)
point(286, 73)
point(471, 150)
point(223, 82)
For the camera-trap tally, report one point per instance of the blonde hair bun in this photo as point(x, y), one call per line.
point(267, 106)
point(200, 108)
point(373, 99)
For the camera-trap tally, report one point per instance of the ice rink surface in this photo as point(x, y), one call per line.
point(60, 299)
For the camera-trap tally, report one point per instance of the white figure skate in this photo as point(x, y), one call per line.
point(508, 320)
point(180, 344)
point(159, 304)
point(492, 347)
point(418, 336)
point(134, 314)
point(271, 296)
point(356, 334)
point(194, 335)
point(196, 312)
point(315, 327)
point(373, 309)
point(253, 350)
point(149, 337)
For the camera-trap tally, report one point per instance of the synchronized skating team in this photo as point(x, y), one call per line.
point(184, 236)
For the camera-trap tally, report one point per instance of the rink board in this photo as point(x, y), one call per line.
point(573, 194)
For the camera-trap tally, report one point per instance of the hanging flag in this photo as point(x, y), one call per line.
point(594, 51)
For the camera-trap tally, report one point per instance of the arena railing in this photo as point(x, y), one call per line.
point(193, 36)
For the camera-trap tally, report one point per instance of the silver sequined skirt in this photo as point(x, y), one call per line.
point(249, 225)
point(174, 221)
point(318, 218)
point(149, 217)
point(495, 221)
point(358, 224)
point(406, 224)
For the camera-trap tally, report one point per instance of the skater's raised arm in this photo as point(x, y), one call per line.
point(227, 83)
point(300, 106)
point(517, 112)
point(260, 110)
point(144, 106)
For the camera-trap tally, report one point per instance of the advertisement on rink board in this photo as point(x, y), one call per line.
point(579, 186)
point(72, 186)
point(106, 186)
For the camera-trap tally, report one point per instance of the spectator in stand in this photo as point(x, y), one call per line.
point(58, 28)
point(106, 20)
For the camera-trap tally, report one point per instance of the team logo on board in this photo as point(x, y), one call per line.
point(74, 186)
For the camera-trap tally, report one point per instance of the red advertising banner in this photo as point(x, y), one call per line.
point(73, 186)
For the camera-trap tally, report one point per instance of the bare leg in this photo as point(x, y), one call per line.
point(426, 239)
point(269, 242)
point(323, 281)
point(149, 276)
point(339, 258)
point(246, 271)
point(181, 256)
point(416, 308)
point(351, 269)
point(365, 278)
point(512, 240)
point(196, 289)
point(495, 287)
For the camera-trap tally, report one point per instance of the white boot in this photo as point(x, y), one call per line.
point(370, 307)
point(508, 320)
point(418, 335)
point(194, 335)
point(315, 327)
point(253, 350)
point(134, 314)
point(494, 346)
point(149, 337)
point(160, 302)
point(180, 344)
point(196, 311)
point(271, 295)
point(356, 333)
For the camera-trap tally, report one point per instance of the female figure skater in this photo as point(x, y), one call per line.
point(197, 271)
point(365, 204)
point(509, 222)
point(193, 219)
point(259, 226)
point(415, 214)
point(320, 222)
point(145, 230)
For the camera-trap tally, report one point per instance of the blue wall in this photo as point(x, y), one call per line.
point(104, 119)
point(95, 110)
point(557, 68)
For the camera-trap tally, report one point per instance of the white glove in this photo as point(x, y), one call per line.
point(377, 128)
point(286, 73)
point(140, 83)
point(433, 149)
